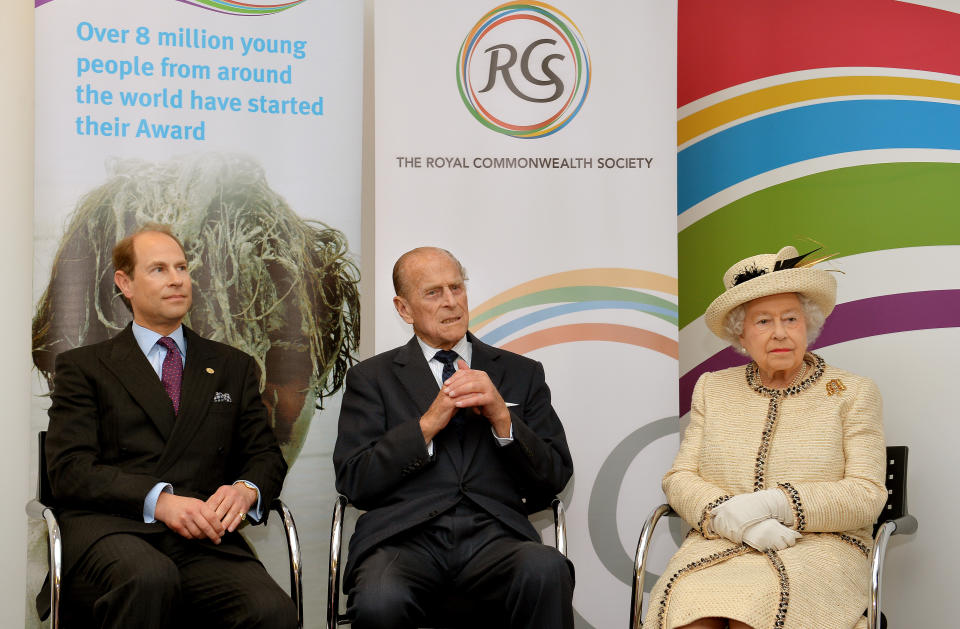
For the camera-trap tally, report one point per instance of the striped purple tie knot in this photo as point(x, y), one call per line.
point(171, 374)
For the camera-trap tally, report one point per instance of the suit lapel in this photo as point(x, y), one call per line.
point(128, 364)
point(200, 377)
point(485, 358)
point(413, 372)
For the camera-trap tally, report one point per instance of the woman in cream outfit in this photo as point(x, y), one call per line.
point(780, 472)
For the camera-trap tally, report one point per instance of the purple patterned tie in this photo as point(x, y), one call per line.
point(171, 374)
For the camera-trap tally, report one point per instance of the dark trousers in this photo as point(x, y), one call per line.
point(162, 581)
point(463, 554)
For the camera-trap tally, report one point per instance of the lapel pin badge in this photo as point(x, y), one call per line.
point(209, 369)
point(835, 387)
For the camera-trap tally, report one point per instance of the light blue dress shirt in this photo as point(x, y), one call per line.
point(464, 350)
point(156, 353)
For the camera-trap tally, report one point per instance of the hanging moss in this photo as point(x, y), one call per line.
point(281, 288)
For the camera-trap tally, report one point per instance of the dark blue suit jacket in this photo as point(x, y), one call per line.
point(381, 459)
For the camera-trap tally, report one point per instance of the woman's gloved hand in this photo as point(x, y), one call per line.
point(770, 535)
point(732, 518)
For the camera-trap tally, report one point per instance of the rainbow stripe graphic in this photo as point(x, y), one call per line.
point(522, 319)
point(841, 122)
point(568, 34)
point(243, 8)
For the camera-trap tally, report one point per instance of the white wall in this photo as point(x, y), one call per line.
point(16, 260)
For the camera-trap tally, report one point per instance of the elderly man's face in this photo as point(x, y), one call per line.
point(434, 299)
point(775, 332)
point(160, 290)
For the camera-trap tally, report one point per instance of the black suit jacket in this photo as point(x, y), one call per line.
point(113, 435)
point(381, 459)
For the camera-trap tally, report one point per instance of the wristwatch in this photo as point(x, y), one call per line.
point(248, 485)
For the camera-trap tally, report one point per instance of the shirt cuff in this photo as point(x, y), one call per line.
point(430, 448)
point(254, 512)
point(150, 502)
point(503, 440)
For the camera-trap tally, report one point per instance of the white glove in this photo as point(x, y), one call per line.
point(770, 535)
point(731, 518)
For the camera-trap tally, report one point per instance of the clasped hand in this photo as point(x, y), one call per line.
point(757, 519)
point(770, 535)
point(467, 388)
point(211, 519)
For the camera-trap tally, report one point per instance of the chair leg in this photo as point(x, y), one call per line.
point(293, 550)
point(560, 525)
point(333, 578)
point(56, 550)
point(640, 564)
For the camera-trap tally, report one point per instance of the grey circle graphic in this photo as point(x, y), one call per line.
point(602, 513)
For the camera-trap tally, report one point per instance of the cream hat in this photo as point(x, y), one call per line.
point(770, 274)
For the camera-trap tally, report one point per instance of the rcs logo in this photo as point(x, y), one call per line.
point(533, 66)
point(551, 78)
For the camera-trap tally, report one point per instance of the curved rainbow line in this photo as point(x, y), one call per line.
point(498, 334)
point(655, 305)
point(597, 277)
point(232, 7)
point(581, 290)
point(706, 120)
point(863, 318)
point(610, 332)
point(795, 135)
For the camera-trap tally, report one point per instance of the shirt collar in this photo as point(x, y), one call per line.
point(463, 348)
point(146, 339)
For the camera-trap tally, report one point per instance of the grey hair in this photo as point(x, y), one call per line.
point(733, 322)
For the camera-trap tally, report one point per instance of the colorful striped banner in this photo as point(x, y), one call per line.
point(855, 210)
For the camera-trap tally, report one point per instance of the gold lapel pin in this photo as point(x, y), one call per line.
point(209, 369)
point(835, 387)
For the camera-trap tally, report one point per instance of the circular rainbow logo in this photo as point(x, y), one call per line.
point(523, 70)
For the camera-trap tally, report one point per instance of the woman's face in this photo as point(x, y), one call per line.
point(775, 332)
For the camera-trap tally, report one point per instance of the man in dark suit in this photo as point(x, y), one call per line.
point(448, 444)
point(158, 448)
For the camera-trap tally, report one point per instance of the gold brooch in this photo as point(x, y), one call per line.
point(209, 369)
point(835, 387)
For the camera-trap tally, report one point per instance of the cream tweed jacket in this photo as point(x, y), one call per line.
point(822, 443)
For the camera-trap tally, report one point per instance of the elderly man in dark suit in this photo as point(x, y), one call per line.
point(448, 444)
point(158, 448)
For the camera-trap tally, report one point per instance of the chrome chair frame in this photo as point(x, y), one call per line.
point(40, 508)
point(894, 520)
point(334, 617)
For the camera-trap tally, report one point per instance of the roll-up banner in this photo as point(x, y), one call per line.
point(837, 124)
point(535, 141)
point(240, 124)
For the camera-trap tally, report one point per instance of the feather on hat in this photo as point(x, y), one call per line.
point(771, 274)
